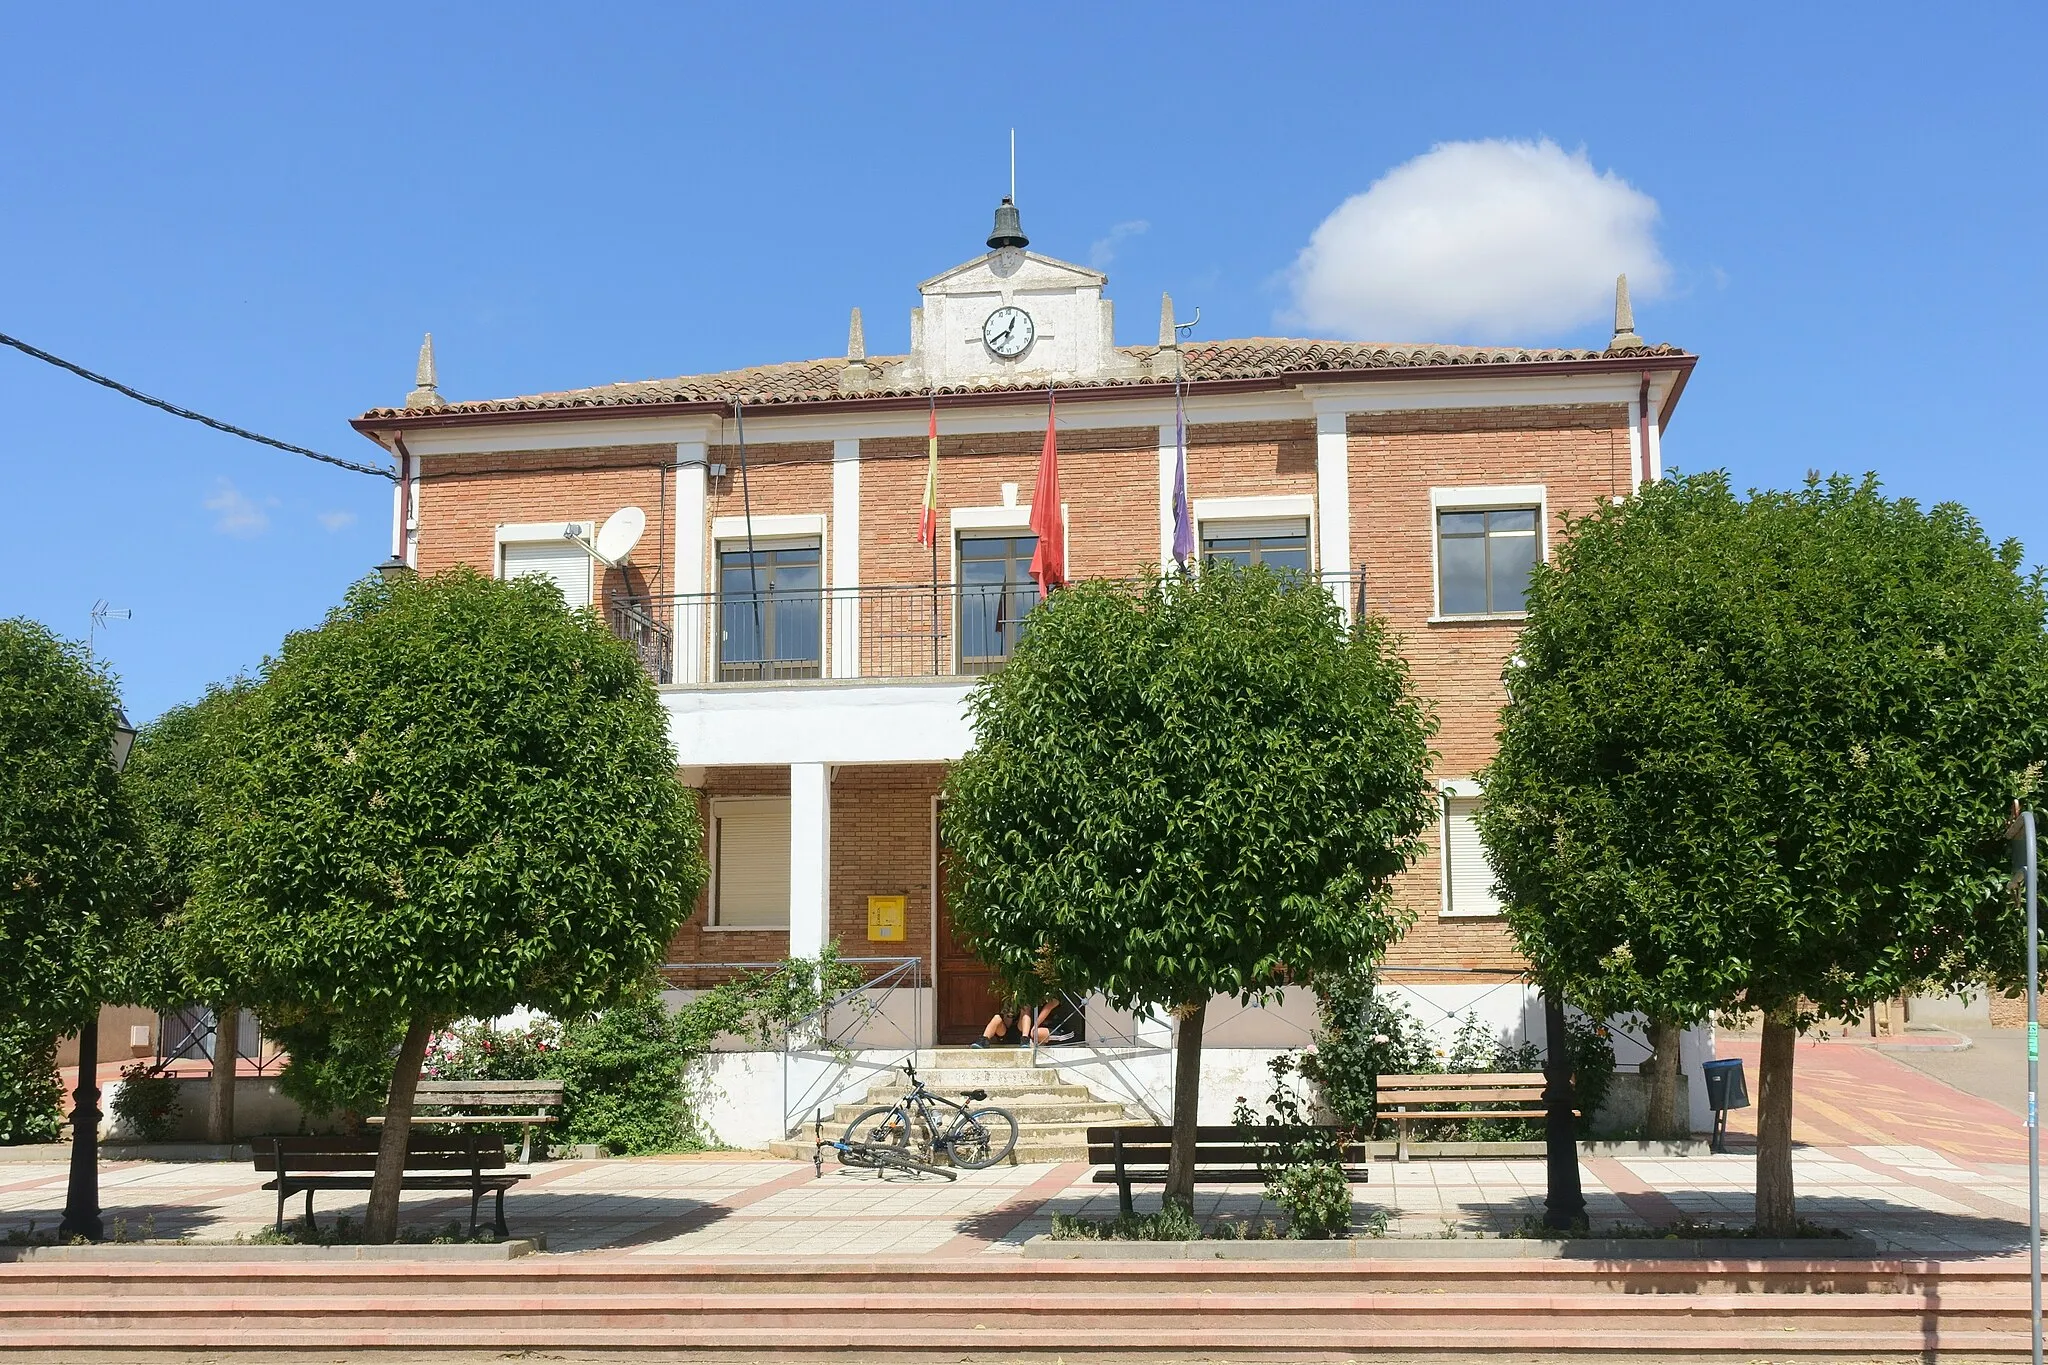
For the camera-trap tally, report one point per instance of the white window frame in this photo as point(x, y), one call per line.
point(1457, 789)
point(544, 532)
point(718, 805)
point(1483, 498)
point(1278, 507)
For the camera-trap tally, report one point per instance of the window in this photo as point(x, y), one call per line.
point(562, 562)
point(750, 862)
point(1281, 544)
point(1468, 877)
point(1483, 560)
point(996, 593)
point(770, 611)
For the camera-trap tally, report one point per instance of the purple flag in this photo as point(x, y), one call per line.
point(1183, 524)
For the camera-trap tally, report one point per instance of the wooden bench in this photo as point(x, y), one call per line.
point(477, 1103)
point(1136, 1154)
point(433, 1161)
point(1501, 1095)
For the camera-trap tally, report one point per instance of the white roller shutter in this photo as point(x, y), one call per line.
point(563, 561)
point(1468, 877)
point(750, 850)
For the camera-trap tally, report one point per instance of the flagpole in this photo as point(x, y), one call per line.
point(739, 413)
point(933, 539)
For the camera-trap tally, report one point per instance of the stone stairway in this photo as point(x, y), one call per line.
point(1052, 1115)
point(810, 1308)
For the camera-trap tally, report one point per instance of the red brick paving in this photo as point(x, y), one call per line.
point(1847, 1094)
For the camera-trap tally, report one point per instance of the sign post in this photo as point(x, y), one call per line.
point(2026, 871)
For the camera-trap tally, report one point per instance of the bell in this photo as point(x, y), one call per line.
point(1009, 229)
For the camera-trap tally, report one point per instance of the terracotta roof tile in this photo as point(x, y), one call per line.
point(813, 381)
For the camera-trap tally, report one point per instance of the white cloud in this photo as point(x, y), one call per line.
point(1104, 249)
point(235, 513)
point(337, 521)
point(1484, 242)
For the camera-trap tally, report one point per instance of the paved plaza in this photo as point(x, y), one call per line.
point(1886, 1152)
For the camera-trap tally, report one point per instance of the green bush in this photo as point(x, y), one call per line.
point(1301, 1162)
point(1364, 1035)
point(147, 1102)
point(336, 1064)
point(625, 1070)
point(31, 1096)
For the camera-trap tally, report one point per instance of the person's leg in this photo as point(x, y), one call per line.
point(993, 1030)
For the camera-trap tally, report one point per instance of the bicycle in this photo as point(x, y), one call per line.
point(973, 1140)
point(868, 1155)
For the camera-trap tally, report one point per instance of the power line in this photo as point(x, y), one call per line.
point(172, 408)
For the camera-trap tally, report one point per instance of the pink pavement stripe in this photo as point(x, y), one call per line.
point(991, 1227)
point(1650, 1205)
point(1952, 1190)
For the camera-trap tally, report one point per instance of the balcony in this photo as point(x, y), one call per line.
point(892, 632)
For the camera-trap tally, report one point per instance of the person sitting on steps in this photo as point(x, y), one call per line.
point(1031, 1023)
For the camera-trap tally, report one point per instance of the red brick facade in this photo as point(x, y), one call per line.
point(881, 815)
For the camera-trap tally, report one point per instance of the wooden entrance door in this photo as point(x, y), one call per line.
point(966, 997)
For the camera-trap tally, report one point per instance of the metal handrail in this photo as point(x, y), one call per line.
point(891, 630)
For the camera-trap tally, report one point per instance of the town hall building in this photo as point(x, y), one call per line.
point(814, 657)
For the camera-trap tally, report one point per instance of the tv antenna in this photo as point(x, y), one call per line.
point(101, 614)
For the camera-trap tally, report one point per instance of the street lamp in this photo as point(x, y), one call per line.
point(393, 569)
point(82, 1196)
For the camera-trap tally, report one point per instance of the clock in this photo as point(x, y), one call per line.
point(1008, 332)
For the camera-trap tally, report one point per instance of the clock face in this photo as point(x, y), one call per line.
point(1008, 332)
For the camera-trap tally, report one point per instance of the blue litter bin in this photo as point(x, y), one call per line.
point(1726, 1089)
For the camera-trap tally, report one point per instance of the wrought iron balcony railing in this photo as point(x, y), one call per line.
point(892, 631)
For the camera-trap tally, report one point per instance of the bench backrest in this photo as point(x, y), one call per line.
point(1146, 1144)
point(424, 1151)
point(1503, 1087)
point(525, 1095)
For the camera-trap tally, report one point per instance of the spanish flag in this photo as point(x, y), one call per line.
point(928, 518)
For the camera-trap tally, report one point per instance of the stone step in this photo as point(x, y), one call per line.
point(1036, 1318)
point(1373, 1270)
point(992, 1079)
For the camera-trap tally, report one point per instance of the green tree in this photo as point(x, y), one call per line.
point(1203, 789)
point(1758, 754)
point(454, 797)
point(69, 875)
point(176, 779)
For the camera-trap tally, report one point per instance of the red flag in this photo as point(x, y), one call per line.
point(1049, 560)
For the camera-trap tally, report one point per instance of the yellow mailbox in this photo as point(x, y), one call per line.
point(886, 919)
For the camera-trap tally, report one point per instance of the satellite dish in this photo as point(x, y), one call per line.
point(619, 534)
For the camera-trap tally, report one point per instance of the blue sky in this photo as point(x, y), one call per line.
point(256, 211)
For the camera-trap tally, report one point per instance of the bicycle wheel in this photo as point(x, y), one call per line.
point(982, 1137)
point(884, 1126)
point(900, 1159)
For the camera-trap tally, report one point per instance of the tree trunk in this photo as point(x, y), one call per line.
point(1187, 1098)
point(1564, 1203)
point(220, 1096)
point(380, 1224)
point(1660, 1116)
point(1775, 1215)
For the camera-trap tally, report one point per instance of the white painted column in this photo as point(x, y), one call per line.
point(810, 858)
point(1656, 447)
point(843, 616)
point(1167, 451)
point(1333, 507)
point(1635, 445)
point(692, 622)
